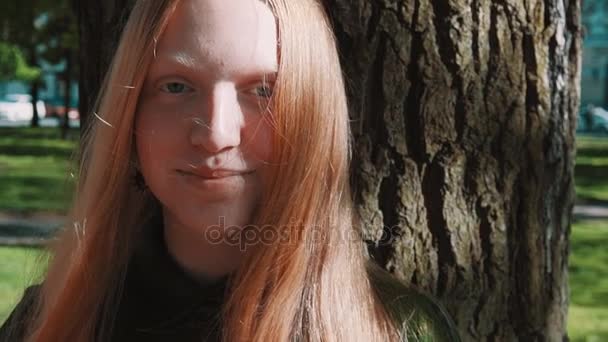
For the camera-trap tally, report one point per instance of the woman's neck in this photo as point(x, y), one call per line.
point(200, 252)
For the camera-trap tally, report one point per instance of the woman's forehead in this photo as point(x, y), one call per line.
point(224, 36)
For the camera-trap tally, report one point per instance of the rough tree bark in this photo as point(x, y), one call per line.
point(464, 115)
point(99, 24)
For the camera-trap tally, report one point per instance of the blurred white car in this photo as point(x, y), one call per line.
point(600, 120)
point(18, 107)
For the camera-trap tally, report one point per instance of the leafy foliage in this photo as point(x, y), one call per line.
point(41, 29)
point(34, 29)
point(14, 66)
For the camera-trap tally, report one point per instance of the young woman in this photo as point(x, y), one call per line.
point(213, 199)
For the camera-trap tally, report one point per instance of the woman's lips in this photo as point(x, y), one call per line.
point(214, 184)
point(214, 173)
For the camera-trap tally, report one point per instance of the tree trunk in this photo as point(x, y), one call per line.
point(100, 24)
point(464, 115)
point(32, 59)
point(35, 84)
point(34, 94)
point(65, 124)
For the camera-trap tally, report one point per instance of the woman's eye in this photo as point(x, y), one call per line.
point(175, 88)
point(264, 90)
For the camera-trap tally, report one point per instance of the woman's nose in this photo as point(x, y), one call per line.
point(218, 127)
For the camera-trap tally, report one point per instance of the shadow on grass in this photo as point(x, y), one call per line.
point(593, 152)
point(27, 193)
point(591, 174)
point(37, 151)
point(37, 133)
point(592, 184)
point(35, 142)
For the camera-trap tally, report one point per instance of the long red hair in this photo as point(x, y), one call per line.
point(312, 287)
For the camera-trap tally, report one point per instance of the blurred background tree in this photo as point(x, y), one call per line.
point(18, 28)
point(100, 23)
point(59, 32)
point(14, 66)
point(42, 30)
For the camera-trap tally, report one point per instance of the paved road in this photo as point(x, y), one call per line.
point(590, 212)
point(28, 230)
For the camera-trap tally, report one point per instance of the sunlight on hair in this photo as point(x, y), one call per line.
point(102, 120)
point(80, 230)
point(155, 43)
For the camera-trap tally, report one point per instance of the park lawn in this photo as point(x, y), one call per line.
point(36, 172)
point(591, 170)
point(18, 269)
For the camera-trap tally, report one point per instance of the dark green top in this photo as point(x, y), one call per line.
point(160, 302)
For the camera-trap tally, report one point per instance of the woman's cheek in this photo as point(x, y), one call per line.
point(156, 116)
point(259, 136)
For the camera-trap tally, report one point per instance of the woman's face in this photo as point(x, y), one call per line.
point(201, 136)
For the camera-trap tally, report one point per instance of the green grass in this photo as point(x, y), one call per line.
point(588, 319)
point(587, 324)
point(591, 170)
point(588, 314)
point(589, 263)
point(35, 170)
point(18, 269)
